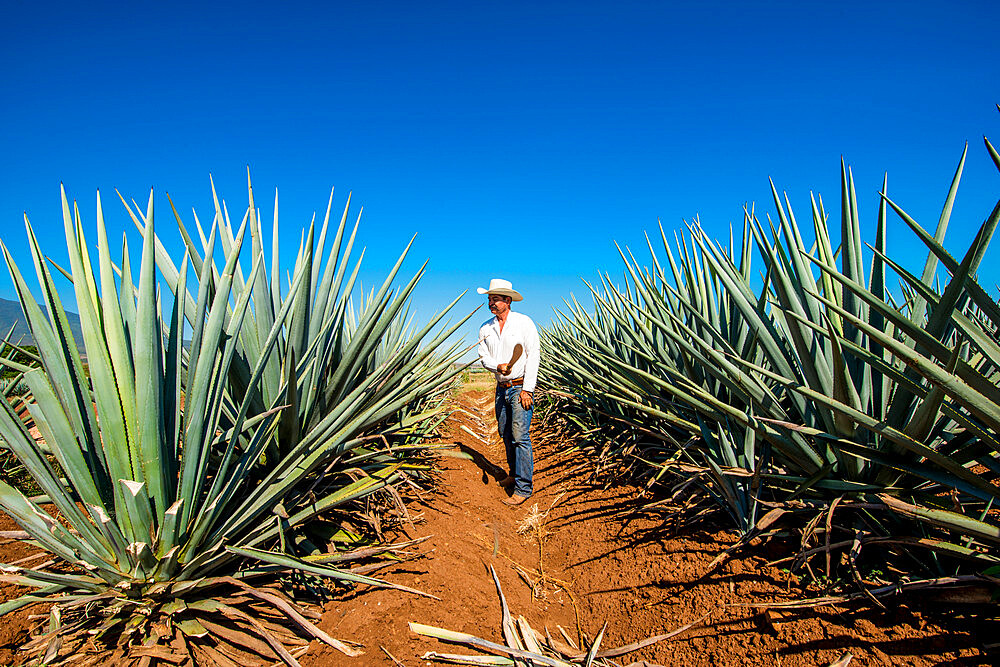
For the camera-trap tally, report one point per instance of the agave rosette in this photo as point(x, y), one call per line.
point(203, 438)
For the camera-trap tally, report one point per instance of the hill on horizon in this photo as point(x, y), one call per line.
point(11, 313)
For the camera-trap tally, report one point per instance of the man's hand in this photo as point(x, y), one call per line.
point(525, 399)
point(502, 369)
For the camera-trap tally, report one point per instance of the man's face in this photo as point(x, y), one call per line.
point(499, 304)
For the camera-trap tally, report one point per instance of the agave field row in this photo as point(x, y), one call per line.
point(850, 406)
point(195, 453)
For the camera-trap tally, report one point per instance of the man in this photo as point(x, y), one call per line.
point(498, 338)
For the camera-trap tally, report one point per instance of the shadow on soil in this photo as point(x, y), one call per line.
point(489, 468)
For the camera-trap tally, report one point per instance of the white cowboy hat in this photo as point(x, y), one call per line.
point(501, 287)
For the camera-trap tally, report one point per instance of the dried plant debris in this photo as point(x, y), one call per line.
point(246, 626)
point(843, 661)
point(526, 646)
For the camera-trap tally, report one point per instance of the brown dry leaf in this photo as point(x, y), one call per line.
point(842, 661)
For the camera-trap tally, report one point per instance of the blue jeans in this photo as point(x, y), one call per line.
point(513, 422)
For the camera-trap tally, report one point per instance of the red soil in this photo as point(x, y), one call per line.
point(602, 563)
point(617, 567)
point(16, 626)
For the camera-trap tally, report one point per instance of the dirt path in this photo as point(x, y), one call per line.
point(600, 563)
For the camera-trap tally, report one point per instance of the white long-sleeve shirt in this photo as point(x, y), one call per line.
point(496, 347)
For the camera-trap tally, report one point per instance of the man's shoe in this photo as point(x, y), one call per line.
point(507, 482)
point(514, 500)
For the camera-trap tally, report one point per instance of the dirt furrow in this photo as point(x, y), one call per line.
point(576, 556)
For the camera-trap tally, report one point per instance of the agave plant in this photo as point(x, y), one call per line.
point(190, 457)
point(815, 381)
point(15, 360)
point(330, 350)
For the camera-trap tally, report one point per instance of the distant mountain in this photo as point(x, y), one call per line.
point(10, 312)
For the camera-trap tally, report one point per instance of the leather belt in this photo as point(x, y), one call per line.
point(516, 382)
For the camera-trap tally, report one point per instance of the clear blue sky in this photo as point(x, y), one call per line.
point(517, 139)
